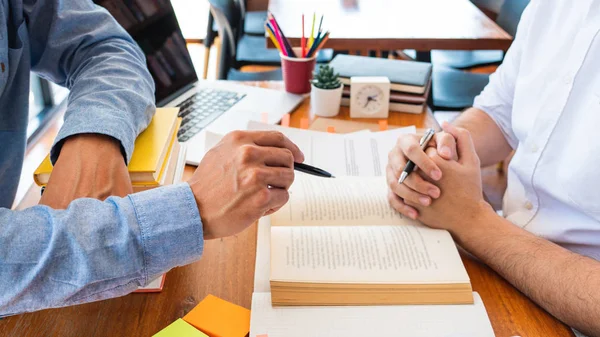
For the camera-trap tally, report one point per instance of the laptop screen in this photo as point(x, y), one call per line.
point(153, 25)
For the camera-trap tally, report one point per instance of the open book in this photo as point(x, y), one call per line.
point(338, 242)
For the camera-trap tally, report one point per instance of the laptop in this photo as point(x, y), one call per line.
point(215, 106)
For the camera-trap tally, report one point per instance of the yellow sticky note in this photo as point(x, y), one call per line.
point(180, 328)
point(219, 318)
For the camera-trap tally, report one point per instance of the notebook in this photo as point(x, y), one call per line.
point(339, 242)
point(405, 76)
point(150, 150)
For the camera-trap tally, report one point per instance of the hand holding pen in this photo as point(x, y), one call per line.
point(410, 154)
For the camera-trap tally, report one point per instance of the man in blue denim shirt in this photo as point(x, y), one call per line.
point(51, 256)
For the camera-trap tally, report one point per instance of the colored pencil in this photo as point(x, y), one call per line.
point(321, 22)
point(318, 45)
point(314, 45)
point(303, 41)
point(273, 38)
point(311, 40)
point(322, 43)
point(278, 35)
point(284, 40)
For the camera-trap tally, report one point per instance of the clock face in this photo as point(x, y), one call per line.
point(369, 99)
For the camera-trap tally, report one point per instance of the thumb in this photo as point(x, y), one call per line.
point(464, 144)
point(446, 145)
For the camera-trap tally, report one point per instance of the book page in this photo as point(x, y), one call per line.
point(405, 254)
point(464, 320)
point(342, 201)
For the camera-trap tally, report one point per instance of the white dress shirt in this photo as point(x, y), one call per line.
point(545, 97)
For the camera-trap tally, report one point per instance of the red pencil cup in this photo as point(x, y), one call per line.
point(297, 72)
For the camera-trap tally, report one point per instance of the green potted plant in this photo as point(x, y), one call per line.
point(326, 92)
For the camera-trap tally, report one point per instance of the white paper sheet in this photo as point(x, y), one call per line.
point(366, 321)
point(356, 154)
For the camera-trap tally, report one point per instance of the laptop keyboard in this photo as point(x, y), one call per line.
point(199, 110)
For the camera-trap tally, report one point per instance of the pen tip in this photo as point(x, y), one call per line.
point(402, 177)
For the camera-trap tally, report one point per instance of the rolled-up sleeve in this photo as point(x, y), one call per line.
point(79, 45)
point(95, 250)
point(496, 99)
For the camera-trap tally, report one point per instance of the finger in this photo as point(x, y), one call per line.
point(276, 157)
point(412, 150)
point(420, 185)
point(278, 177)
point(277, 139)
point(278, 198)
point(464, 143)
point(399, 205)
point(396, 161)
point(446, 145)
point(407, 193)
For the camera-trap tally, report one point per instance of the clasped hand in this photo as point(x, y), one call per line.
point(445, 192)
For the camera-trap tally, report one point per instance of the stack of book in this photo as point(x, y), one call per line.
point(129, 13)
point(158, 159)
point(410, 80)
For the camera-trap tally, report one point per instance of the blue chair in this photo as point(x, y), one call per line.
point(508, 18)
point(239, 49)
point(455, 89)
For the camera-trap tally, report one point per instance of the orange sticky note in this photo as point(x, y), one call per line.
point(304, 123)
point(219, 318)
point(285, 120)
point(331, 129)
point(383, 125)
point(264, 117)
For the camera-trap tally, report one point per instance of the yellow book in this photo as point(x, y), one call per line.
point(151, 149)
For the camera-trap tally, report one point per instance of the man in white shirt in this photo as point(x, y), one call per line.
point(543, 102)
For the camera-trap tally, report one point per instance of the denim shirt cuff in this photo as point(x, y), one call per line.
point(112, 127)
point(170, 226)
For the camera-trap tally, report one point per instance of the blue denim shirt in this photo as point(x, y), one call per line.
point(93, 250)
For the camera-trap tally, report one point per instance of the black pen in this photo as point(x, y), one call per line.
point(410, 166)
point(315, 171)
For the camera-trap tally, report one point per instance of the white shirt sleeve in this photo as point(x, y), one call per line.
point(496, 99)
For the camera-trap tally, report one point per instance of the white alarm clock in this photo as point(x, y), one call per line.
point(369, 97)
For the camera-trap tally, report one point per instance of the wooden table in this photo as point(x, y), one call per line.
point(227, 271)
point(365, 25)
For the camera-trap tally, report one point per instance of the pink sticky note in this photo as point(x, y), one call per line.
point(264, 117)
point(285, 120)
point(263, 335)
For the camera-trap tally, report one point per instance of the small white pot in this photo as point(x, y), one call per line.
point(326, 102)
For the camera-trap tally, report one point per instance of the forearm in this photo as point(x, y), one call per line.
point(94, 250)
point(79, 45)
point(564, 283)
point(490, 144)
